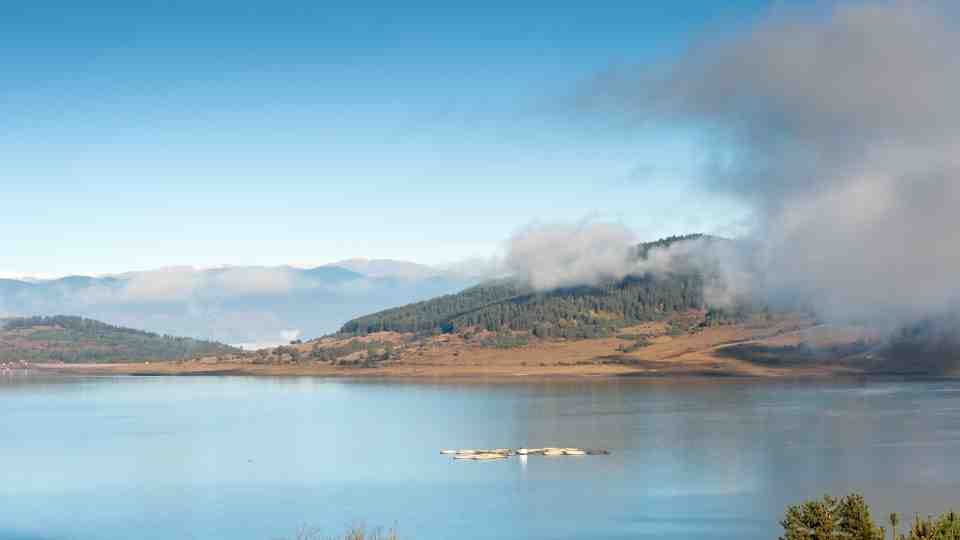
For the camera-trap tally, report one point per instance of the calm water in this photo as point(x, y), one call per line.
point(243, 458)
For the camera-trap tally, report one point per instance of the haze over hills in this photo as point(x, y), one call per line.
point(255, 306)
point(388, 268)
point(671, 305)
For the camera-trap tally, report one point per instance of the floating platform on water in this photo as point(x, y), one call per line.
point(481, 456)
point(469, 454)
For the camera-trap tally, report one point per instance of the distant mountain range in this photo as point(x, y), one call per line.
point(254, 306)
point(388, 268)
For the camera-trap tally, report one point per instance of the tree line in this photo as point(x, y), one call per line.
point(572, 312)
point(576, 312)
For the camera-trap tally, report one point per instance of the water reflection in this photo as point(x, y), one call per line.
point(252, 458)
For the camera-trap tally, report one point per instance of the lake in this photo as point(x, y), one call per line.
point(257, 458)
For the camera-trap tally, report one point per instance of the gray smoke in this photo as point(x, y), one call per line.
point(725, 265)
point(842, 133)
point(548, 256)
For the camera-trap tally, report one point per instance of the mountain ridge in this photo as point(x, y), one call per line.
point(373, 267)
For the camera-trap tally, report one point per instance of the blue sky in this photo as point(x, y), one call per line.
point(138, 135)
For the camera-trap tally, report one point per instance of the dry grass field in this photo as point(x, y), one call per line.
point(785, 346)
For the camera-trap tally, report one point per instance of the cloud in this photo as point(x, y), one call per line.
point(252, 281)
point(724, 264)
point(290, 335)
point(166, 285)
point(477, 268)
point(183, 283)
point(548, 256)
point(842, 132)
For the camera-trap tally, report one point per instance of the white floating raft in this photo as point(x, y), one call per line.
point(487, 456)
point(503, 453)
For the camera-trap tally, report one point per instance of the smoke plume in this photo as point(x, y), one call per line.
point(548, 256)
point(842, 133)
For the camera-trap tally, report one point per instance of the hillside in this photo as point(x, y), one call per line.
point(681, 345)
point(578, 312)
point(79, 340)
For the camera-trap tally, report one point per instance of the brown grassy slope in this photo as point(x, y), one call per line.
point(784, 346)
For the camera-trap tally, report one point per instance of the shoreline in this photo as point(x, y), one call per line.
point(400, 374)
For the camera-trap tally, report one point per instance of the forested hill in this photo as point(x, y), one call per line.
point(507, 305)
point(77, 340)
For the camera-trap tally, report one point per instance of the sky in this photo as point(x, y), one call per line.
point(139, 135)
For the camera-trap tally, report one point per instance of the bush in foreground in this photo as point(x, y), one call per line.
point(357, 532)
point(848, 518)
